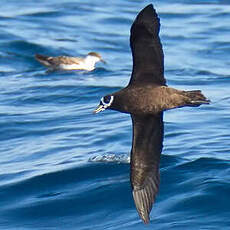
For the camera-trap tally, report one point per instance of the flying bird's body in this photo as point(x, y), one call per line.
point(149, 99)
point(70, 63)
point(146, 98)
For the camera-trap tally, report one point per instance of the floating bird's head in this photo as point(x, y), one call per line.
point(105, 103)
point(95, 56)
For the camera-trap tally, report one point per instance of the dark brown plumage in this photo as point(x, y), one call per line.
point(145, 98)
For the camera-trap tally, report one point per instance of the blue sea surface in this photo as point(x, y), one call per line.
point(61, 167)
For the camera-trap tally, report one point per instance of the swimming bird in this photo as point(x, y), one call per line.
point(145, 98)
point(70, 63)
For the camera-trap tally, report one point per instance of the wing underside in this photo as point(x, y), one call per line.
point(145, 158)
point(148, 57)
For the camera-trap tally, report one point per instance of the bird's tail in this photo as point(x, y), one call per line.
point(195, 98)
point(43, 59)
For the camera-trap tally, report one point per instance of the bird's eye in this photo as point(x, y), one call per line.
point(107, 99)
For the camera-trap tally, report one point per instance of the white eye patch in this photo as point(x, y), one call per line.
point(107, 103)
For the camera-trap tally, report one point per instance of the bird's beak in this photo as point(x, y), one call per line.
point(103, 61)
point(99, 109)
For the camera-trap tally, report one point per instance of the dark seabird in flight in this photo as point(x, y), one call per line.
point(145, 98)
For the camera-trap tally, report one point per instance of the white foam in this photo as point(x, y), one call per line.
point(111, 157)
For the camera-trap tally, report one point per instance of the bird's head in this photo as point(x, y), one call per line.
point(95, 56)
point(105, 103)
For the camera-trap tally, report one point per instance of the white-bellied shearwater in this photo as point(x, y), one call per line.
point(70, 63)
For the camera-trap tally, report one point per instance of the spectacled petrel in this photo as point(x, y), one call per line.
point(145, 98)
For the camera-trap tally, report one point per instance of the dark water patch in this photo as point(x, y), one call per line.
point(7, 177)
point(6, 37)
point(21, 47)
point(115, 21)
point(196, 184)
point(220, 15)
point(66, 39)
point(170, 161)
point(59, 186)
point(205, 164)
point(43, 14)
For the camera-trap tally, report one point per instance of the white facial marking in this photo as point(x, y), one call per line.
point(92, 59)
point(106, 105)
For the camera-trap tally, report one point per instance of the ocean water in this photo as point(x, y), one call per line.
point(61, 167)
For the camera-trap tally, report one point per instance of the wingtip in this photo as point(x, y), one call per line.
point(143, 204)
point(144, 196)
point(148, 10)
point(145, 219)
point(149, 18)
point(149, 6)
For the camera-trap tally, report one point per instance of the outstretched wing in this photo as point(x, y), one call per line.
point(145, 158)
point(148, 57)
